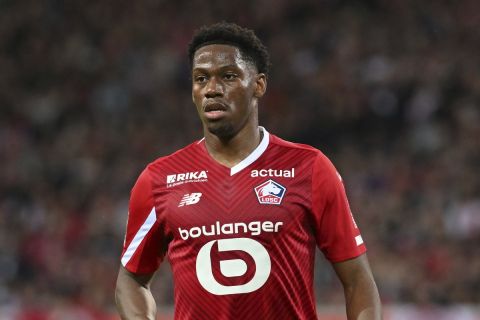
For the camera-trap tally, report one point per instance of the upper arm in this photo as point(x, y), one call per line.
point(361, 294)
point(133, 296)
point(353, 270)
point(128, 279)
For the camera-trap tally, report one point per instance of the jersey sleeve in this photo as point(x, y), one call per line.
point(143, 248)
point(336, 232)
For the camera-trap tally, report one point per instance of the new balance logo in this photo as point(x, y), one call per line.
point(190, 198)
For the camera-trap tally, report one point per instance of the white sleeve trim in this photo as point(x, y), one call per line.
point(359, 240)
point(137, 240)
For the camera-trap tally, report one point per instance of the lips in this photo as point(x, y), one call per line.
point(214, 106)
point(215, 110)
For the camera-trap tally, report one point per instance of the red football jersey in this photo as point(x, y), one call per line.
point(241, 241)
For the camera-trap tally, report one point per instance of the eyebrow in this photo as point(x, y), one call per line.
point(204, 69)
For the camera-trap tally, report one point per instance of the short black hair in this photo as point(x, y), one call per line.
point(252, 49)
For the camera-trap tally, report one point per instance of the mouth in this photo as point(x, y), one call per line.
point(214, 110)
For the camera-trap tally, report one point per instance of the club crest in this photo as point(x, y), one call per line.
point(270, 192)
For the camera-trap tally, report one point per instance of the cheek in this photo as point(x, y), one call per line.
point(243, 89)
point(239, 96)
point(196, 96)
point(243, 94)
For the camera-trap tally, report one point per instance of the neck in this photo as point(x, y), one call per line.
point(229, 152)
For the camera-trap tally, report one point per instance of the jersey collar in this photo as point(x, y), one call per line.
point(259, 150)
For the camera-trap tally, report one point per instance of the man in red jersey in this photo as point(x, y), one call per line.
point(239, 214)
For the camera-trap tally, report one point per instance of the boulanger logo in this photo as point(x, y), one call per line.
point(270, 192)
point(187, 177)
point(233, 267)
point(253, 228)
point(229, 268)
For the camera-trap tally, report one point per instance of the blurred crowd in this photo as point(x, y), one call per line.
point(92, 91)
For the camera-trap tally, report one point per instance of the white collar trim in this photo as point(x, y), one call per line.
point(259, 150)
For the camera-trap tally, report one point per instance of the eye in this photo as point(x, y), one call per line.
point(200, 78)
point(230, 76)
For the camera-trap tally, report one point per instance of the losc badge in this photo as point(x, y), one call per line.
point(270, 192)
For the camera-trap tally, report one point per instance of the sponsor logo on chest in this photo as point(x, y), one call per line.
point(273, 173)
point(187, 177)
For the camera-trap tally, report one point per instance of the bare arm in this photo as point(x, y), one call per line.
point(133, 296)
point(361, 294)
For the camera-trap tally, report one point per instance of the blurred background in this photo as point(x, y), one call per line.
point(91, 91)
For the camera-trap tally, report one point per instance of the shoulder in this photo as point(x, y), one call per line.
point(309, 156)
point(306, 150)
point(277, 141)
point(184, 154)
point(182, 160)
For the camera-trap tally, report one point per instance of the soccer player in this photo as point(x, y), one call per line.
point(239, 213)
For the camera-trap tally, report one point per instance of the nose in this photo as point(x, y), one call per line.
point(213, 88)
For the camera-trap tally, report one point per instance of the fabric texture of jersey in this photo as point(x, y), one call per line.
point(241, 241)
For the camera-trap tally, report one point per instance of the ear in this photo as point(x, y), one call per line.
point(260, 85)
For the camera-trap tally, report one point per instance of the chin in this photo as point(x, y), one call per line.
point(223, 131)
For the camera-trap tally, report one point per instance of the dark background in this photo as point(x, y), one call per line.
point(91, 91)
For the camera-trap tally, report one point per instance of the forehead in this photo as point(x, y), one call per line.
point(218, 55)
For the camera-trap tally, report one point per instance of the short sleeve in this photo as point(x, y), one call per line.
point(143, 248)
point(336, 232)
